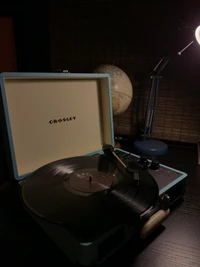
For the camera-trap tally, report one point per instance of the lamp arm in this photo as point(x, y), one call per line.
point(179, 53)
point(161, 65)
point(155, 76)
point(150, 113)
point(155, 105)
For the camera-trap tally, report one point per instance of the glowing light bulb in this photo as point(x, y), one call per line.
point(197, 34)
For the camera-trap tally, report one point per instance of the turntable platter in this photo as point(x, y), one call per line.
point(74, 192)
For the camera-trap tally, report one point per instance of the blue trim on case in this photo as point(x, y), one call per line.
point(53, 75)
point(111, 111)
point(170, 185)
point(10, 139)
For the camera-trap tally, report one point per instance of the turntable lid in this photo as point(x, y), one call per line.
point(51, 116)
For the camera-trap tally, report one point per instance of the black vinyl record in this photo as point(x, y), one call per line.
point(89, 194)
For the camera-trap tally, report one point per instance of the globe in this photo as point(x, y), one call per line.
point(121, 88)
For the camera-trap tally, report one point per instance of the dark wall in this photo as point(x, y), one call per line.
point(8, 57)
point(31, 26)
point(80, 35)
point(85, 34)
point(33, 37)
point(31, 40)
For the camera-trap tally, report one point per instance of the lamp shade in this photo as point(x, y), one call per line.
point(197, 34)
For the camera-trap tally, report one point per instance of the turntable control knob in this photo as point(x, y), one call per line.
point(165, 201)
point(90, 179)
point(143, 162)
point(154, 165)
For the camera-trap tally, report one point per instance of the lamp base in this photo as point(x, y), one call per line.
point(152, 148)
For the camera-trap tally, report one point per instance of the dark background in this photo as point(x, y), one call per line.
point(80, 35)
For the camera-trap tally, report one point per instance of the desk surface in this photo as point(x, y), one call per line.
point(175, 243)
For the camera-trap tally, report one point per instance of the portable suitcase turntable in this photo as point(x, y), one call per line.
point(87, 196)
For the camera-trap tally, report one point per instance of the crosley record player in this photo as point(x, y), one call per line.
point(87, 196)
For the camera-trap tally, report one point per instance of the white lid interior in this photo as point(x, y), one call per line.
point(50, 117)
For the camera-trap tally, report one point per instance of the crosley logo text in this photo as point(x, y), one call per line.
point(62, 120)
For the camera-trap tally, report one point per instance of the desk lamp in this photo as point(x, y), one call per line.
point(147, 147)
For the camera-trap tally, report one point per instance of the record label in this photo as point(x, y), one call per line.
point(87, 181)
